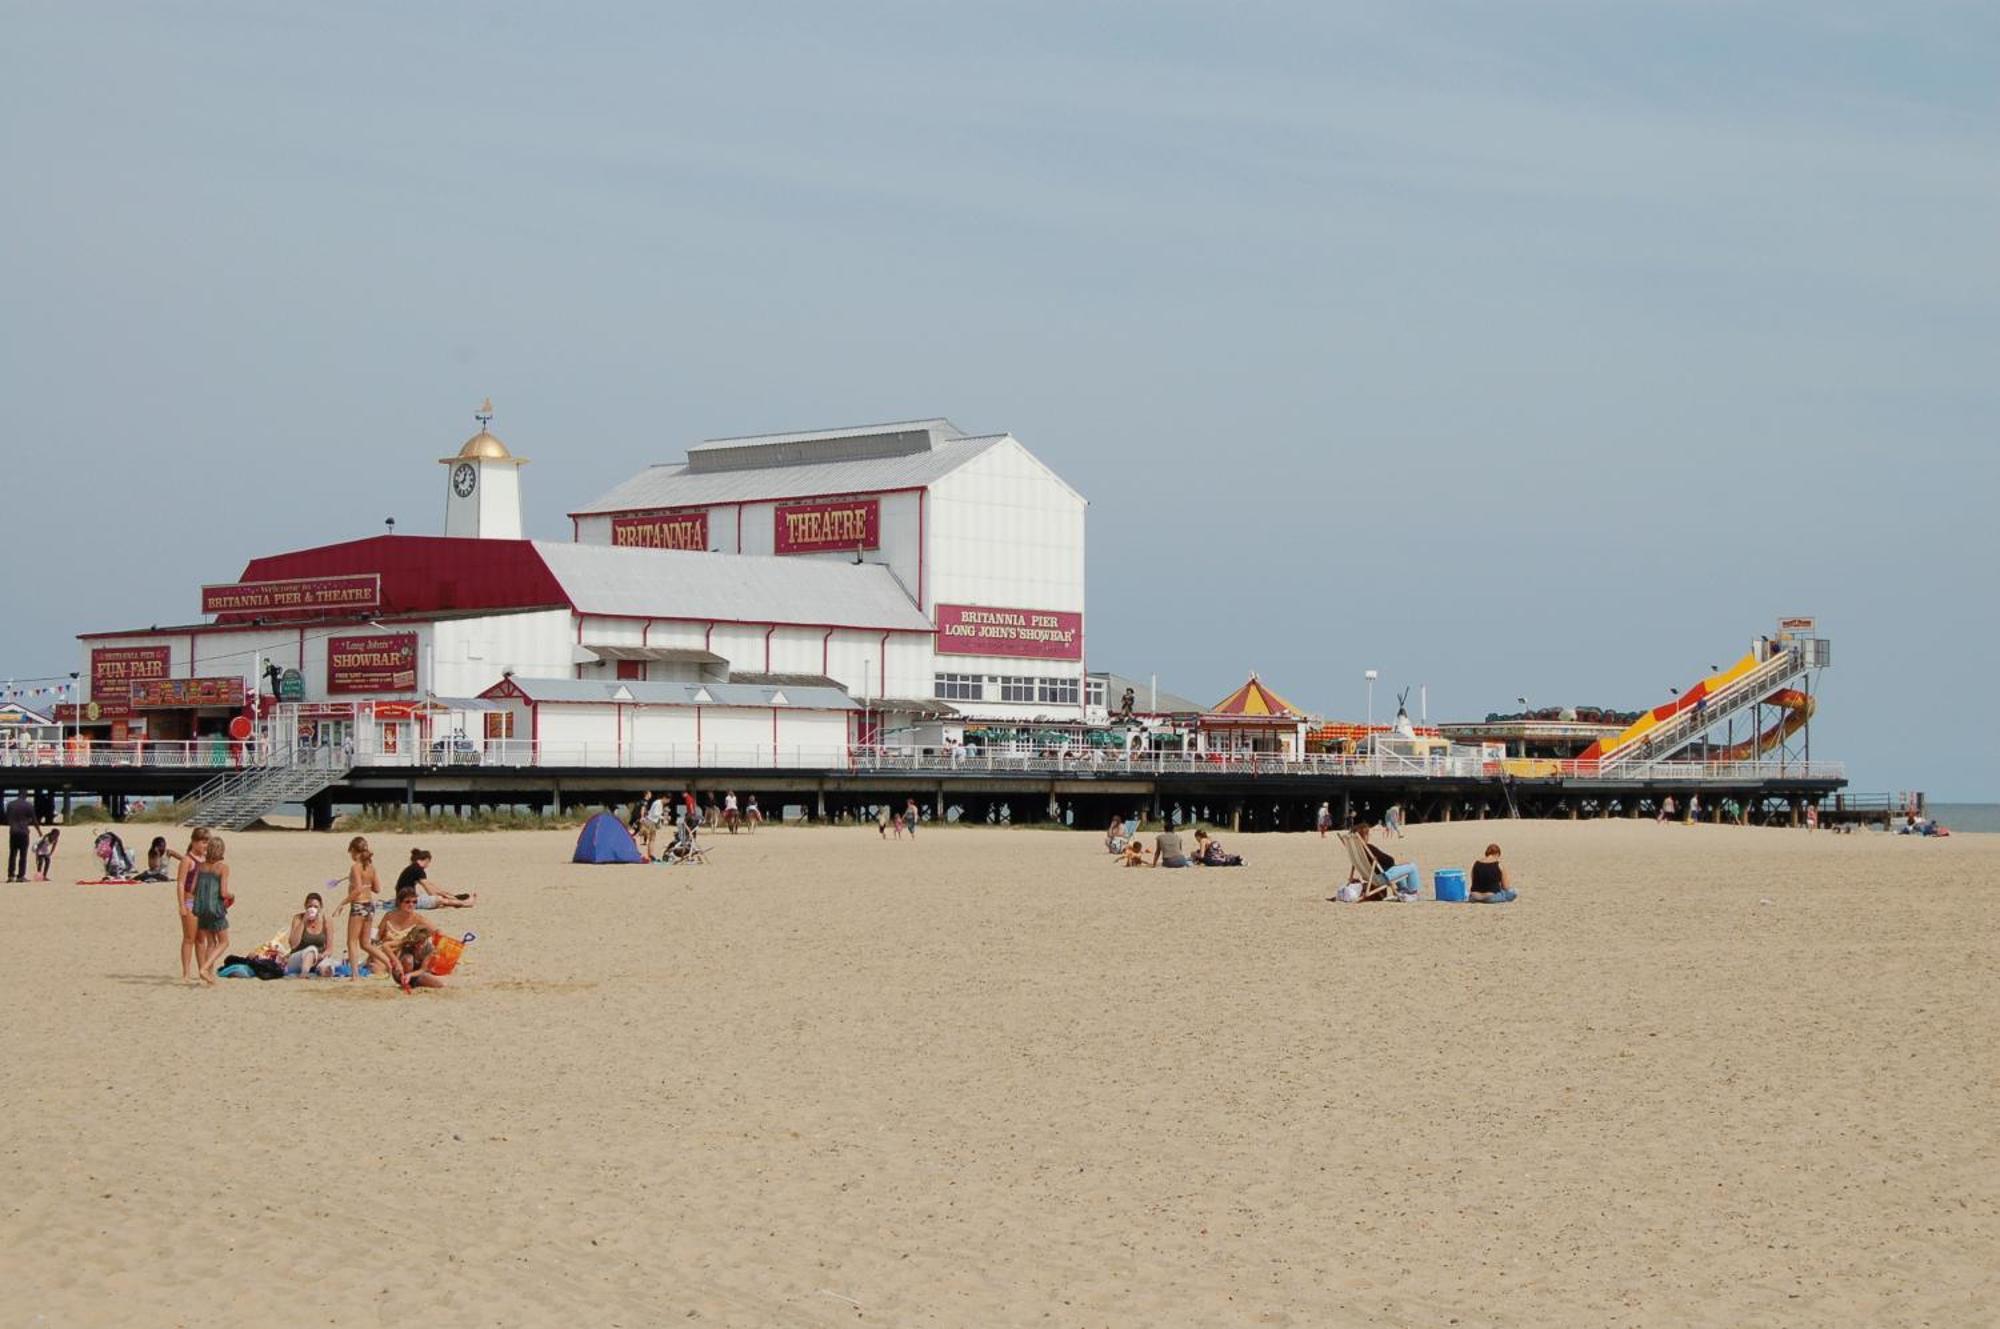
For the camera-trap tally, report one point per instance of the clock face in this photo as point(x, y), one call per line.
point(463, 478)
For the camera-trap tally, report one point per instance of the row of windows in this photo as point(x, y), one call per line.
point(1010, 687)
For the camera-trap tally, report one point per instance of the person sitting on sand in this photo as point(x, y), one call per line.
point(157, 856)
point(1133, 855)
point(1115, 838)
point(1209, 853)
point(429, 896)
point(306, 950)
point(404, 943)
point(1168, 851)
point(1489, 879)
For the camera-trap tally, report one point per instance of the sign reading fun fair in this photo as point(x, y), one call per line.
point(812, 528)
point(1029, 634)
point(661, 530)
point(386, 663)
point(113, 671)
point(301, 595)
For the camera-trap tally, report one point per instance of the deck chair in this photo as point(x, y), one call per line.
point(686, 851)
point(1374, 885)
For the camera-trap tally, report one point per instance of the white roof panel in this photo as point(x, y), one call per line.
point(730, 588)
point(585, 690)
point(673, 485)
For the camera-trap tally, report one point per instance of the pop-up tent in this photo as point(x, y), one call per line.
point(604, 839)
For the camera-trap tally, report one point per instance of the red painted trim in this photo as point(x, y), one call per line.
point(535, 727)
point(923, 497)
point(739, 505)
point(739, 528)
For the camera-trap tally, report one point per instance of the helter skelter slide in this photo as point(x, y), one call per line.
point(1759, 678)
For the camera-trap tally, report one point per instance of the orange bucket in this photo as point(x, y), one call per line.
point(444, 955)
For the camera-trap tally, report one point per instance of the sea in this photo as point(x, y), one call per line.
point(1966, 816)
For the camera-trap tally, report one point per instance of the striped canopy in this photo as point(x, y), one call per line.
point(1254, 701)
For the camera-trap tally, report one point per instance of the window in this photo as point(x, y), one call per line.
point(1017, 689)
point(959, 687)
point(1059, 691)
point(1093, 692)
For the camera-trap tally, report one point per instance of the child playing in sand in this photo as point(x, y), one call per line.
point(211, 910)
point(405, 944)
point(45, 852)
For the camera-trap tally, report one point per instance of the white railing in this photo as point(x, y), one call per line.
point(223, 757)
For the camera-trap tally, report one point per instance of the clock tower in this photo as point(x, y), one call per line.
point(483, 486)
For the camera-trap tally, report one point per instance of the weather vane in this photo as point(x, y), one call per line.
point(484, 414)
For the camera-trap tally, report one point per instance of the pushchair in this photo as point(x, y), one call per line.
point(117, 862)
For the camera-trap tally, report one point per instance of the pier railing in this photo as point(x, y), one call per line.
point(221, 757)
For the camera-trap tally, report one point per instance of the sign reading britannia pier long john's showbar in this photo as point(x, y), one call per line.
point(1030, 634)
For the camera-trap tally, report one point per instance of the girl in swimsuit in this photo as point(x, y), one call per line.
point(404, 946)
point(362, 888)
point(184, 897)
point(307, 944)
point(211, 910)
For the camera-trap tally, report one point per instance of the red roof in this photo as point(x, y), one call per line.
point(425, 573)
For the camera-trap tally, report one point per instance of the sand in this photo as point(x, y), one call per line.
point(1697, 1075)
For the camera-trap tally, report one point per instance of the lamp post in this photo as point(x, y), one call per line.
point(1370, 675)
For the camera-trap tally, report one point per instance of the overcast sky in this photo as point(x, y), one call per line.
point(1544, 349)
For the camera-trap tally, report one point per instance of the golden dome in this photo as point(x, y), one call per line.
point(483, 444)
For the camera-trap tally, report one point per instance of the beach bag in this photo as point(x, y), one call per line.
point(446, 951)
point(1349, 894)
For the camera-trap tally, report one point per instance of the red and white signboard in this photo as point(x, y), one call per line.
point(384, 663)
point(661, 530)
point(113, 671)
point(359, 593)
point(814, 528)
point(154, 694)
point(1028, 634)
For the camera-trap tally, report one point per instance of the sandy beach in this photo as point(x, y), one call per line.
point(1697, 1075)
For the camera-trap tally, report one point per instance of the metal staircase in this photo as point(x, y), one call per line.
point(1784, 668)
point(234, 800)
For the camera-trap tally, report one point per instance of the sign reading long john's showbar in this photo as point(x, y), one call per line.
point(812, 528)
point(1031, 634)
point(386, 663)
point(661, 530)
point(360, 593)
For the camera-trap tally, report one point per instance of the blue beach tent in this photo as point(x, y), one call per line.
point(605, 840)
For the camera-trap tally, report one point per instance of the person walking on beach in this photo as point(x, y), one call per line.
point(21, 820)
point(882, 820)
point(753, 816)
point(1392, 820)
point(191, 861)
point(1666, 810)
point(45, 852)
point(1325, 819)
point(911, 816)
point(649, 821)
point(729, 811)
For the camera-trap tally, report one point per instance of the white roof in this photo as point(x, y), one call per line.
point(674, 485)
point(934, 426)
point(738, 588)
point(606, 691)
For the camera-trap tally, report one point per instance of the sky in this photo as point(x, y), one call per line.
point(1551, 349)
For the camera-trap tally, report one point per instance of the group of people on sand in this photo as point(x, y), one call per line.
point(889, 821)
point(391, 937)
point(1169, 850)
point(680, 820)
point(1486, 882)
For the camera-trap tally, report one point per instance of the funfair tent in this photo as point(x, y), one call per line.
point(604, 839)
